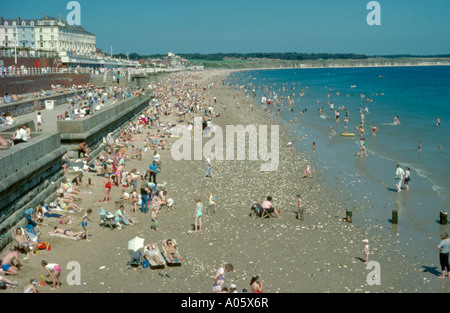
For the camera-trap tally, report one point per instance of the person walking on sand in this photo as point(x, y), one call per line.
point(444, 250)
point(209, 166)
point(366, 251)
point(198, 215)
point(399, 174)
point(54, 271)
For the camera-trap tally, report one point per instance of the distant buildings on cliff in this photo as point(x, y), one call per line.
point(47, 33)
point(72, 46)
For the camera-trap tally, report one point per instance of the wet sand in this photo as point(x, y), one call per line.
point(322, 253)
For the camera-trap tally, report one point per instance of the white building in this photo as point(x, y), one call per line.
point(17, 32)
point(48, 33)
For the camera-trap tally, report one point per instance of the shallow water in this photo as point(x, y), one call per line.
point(418, 95)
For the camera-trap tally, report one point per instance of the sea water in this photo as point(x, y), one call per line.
point(416, 95)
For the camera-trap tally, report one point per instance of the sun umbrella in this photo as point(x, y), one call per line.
point(135, 244)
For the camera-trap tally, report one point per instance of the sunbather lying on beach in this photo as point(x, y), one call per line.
point(67, 206)
point(67, 233)
point(171, 249)
point(150, 253)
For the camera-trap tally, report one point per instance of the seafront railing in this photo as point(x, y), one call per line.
point(27, 54)
point(33, 71)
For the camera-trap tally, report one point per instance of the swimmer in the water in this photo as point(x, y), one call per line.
point(332, 132)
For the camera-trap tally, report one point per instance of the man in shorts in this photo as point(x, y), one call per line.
point(7, 266)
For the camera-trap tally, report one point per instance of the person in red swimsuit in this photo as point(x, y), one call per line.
point(108, 184)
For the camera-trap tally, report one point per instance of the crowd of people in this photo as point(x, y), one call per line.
point(176, 102)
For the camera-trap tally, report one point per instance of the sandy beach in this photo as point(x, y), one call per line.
point(321, 253)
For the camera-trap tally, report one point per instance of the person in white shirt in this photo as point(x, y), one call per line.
point(157, 158)
point(399, 174)
point(20, 135)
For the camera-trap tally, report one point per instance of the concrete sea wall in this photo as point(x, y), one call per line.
point(27, 84)
point(27, 170)
point(31, 105)
point(26, 173)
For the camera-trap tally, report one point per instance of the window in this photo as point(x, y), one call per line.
point(23, 23)
point(32, 23)
point(6, 29)
point(6, 38)
point(42, 44)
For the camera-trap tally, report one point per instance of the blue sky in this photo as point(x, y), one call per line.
point(212, 26)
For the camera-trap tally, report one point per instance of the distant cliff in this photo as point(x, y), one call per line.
point(330, 63)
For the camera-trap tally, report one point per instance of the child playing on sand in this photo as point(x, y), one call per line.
point(366, 250)
point(54, 271)
point(84, 220)
point(308, 171)
point(299, 201)
point(212, 202)
point(154, 221)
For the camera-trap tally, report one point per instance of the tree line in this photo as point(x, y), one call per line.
point(290, 56)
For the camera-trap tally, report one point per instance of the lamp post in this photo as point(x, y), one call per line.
point(15, 52)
